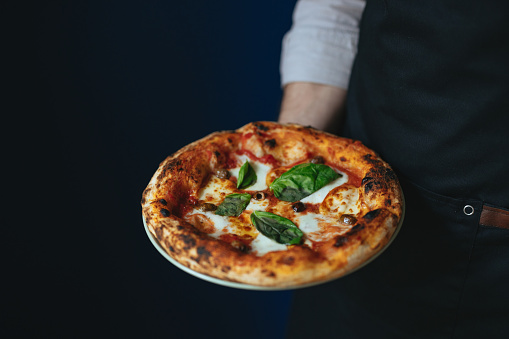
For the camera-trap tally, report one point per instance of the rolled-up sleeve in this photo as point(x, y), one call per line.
point(322, 42)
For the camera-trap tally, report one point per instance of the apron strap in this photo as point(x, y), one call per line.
point(494, 217)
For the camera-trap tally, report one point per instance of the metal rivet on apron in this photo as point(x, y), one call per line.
point(468, 210)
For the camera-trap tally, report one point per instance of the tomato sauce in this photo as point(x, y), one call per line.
point(353, 179)
point(267, 159)
point(183, 203)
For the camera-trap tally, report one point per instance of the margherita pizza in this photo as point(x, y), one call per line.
point(273, 205)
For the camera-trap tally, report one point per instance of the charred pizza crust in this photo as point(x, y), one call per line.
point(179, 177)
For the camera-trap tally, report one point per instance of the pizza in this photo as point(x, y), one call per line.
point(273, 205)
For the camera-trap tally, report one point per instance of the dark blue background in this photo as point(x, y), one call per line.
point(103, 92)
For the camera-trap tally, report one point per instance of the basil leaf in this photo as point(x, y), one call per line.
point(233, 204)
point(276, 228)
point(247, 176)
point(302, 180)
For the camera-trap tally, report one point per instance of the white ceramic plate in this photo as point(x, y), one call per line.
point(226, 283)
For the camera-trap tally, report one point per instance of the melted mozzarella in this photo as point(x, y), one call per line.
point(262, 245)
point(318, 196)
point(317, 227)
point(308, 223)
point(293, 151)
point(342, 200)
point(257, 205)
point(260, 169)
point(215, 190)
point(221, 223)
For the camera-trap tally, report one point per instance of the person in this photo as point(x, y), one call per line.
point(426, 85)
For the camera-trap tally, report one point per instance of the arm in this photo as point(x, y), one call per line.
point(317, 105)
point(316, 59)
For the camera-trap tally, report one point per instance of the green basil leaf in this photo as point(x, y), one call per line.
point(302, 180)
point(233, 204)
point(247, 176)
point(276, 228)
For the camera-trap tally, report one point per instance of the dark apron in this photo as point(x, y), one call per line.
point(429, 92)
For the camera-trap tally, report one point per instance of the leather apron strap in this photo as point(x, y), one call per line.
point(494, 217)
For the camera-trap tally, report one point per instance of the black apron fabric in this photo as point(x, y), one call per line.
point(429, 92)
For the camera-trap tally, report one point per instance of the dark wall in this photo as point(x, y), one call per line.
point(103, 92)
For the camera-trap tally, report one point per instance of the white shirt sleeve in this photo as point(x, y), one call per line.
point(322, 43)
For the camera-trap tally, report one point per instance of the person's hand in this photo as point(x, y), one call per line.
point(316, 105)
